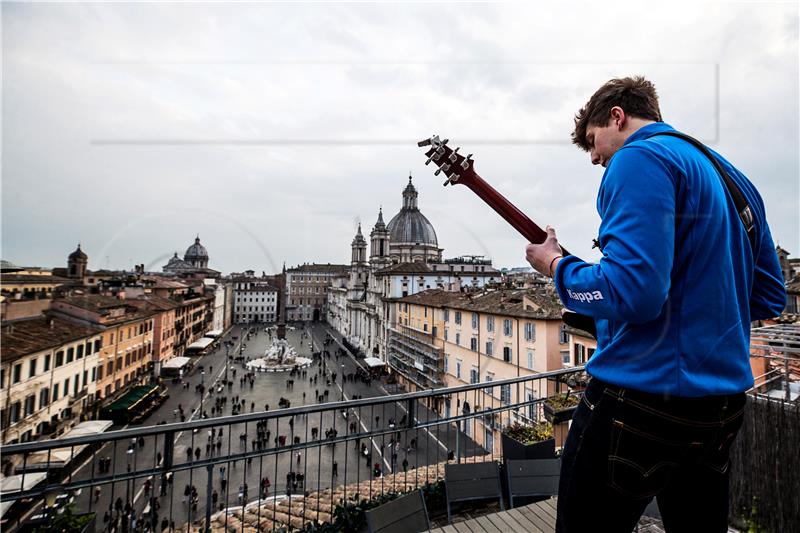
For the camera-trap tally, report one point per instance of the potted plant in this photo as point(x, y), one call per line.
point(559, 408)
point(535, 441)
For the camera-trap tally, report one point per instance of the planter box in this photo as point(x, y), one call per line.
point(557, 416)
point(513, 449)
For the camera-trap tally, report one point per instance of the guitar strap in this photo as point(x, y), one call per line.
point(742, 207)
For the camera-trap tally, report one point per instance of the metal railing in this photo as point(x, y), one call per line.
point(273, 469)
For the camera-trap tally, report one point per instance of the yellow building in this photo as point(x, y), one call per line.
point(127, 338)
point(444, 339)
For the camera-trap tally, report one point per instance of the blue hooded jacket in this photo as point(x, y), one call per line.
point(678, 284)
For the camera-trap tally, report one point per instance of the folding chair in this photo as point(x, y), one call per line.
point(406, 514)
point(472, 481)
point(532, 477)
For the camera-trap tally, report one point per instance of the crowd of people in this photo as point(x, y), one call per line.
point(261, 435)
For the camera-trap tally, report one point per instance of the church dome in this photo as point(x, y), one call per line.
point(78, 255)
point(410, 225)
point(195, 251)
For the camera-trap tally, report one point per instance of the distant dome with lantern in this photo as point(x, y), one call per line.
point(196, 254)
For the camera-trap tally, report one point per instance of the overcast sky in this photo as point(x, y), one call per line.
point(271, 129)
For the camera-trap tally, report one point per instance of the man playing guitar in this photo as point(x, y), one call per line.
point(681, 278)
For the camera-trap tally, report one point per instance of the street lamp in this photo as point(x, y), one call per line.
point(202, 390)
point(342, 381)
point(129, 455)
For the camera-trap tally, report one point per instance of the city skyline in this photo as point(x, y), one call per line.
point(271, 130)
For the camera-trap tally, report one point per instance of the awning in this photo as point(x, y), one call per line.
point(60, 457)
point(201, 344)
point(176, 362)
point(132, 398)
point(14, 484)
point(214, 333)
point(374, 362)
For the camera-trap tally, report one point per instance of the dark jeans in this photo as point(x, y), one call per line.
point(626, 447)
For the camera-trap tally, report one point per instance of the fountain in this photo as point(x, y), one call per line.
point(279, 357)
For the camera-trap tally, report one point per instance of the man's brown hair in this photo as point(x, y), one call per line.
point(636, 96)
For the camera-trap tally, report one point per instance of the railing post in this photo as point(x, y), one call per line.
point(169, 446)
point(209, 490)
point(412, 413)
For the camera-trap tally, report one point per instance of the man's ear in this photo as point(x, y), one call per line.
point(618, 117)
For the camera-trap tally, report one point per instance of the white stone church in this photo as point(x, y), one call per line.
point(404, 258)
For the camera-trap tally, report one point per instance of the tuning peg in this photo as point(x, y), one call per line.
point(426, 142)
point(438, 171)
point(445, 141)
point(453, 157)
point(429, 160)
point(446, 182)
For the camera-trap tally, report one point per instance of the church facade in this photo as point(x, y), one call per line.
point(404, 258)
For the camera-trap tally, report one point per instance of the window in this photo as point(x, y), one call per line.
point(70, 354)
point(79, 354)
point(110, 368)
point(505, 393)
point(89, 348)
point(445, 334)
point(473, 375)
point(17, 374)
point(563, 337)
point(489, 323)
point(458, 368)
point(425, 310)
point(55, 391)
point(30, 404)
point(446, 363)
point(66, 387)
point(32, 368)
point(46, 363)
point(14, 412)
point(447, 315)
point(458, 339)
point(565, 356)
point(473, 344)
point(489, 348)
point(97, 345)
point(475, 321)
point(99, 373)
point(458, 317)
point(530, 398)
point(580, 354)
point(2, 378)
point(507, 331)
point(85, 378)
point(59, 358)
point(530, 360)
point(44, 398)
point(507, 354)
point(530, 331)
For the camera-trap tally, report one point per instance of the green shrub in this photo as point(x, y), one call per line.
point(529, 434)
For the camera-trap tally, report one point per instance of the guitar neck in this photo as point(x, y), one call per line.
point(528, 228)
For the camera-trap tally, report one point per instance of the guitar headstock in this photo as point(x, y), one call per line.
point(455, 166)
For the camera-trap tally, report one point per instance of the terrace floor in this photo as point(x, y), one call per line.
point(537, 518)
